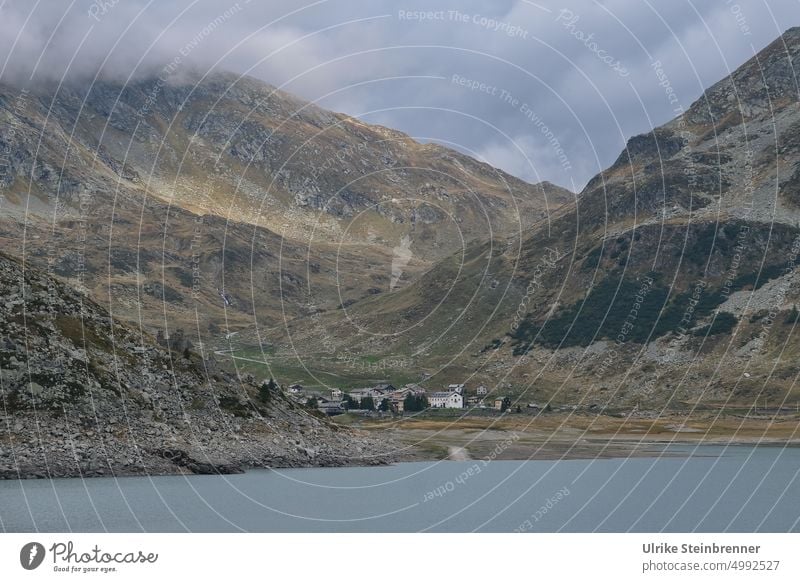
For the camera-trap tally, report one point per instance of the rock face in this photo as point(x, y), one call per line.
point(243, 150)
point(756, 89)
point(85, 396)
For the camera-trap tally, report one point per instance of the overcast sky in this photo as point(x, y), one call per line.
point(546, 91)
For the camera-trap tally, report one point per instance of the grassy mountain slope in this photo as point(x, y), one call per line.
point(670, 281)
point(221, 204)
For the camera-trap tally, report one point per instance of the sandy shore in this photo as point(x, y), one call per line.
point(565, 436)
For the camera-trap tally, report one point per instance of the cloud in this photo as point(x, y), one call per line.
point(394, 62)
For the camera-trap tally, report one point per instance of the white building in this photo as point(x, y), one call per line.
point(482, 390)
point(459, 388)
point(446, 400)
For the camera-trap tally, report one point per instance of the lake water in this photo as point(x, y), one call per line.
point(708, 488)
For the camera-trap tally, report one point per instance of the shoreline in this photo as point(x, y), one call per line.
point(234, 467)
point(596, 449)
point(138, 450)
point(375, 442)
point(566, 437)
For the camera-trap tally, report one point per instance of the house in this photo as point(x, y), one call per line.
point(414, 389)
point(359, 393)
point(398, 397)
point(377, 393)
point(331, 408)
point(446, 400)
point(482, 390)
point(397, 404)
point(458, 388)
point(336, 394)
point(502, 404)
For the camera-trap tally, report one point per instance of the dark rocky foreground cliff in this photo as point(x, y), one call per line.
point(83, 395)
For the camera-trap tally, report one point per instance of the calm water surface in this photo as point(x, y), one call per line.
point(708, 488)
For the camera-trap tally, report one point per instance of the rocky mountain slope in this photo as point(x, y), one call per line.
point(214, 202)
point(82, 395)
point(671, 281)
point(226, 206)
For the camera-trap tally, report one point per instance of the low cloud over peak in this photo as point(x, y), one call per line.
point(545, 92)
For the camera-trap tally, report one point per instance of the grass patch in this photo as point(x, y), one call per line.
point(73, 329)
point(323, 373)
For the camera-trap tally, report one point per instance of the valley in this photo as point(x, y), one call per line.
point(248, 235)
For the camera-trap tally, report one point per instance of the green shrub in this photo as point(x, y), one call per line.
point(602, 316)
point(724, 322)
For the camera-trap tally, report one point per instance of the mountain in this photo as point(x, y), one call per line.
point(224, 211)
point(83, 395)
point(219, 202)
point(670, 281)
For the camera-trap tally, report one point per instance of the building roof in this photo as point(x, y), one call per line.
point(444, 394)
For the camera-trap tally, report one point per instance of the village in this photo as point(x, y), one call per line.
point(384, 398)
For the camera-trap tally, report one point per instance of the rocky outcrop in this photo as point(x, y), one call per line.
point(85, 396)
point(764, 83)
point(243, 150)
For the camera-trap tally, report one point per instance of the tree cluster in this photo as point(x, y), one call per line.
point(414, 403)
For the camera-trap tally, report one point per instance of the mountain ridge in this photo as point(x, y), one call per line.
point(708, 200)
point(711, 197)
point(151, 190)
